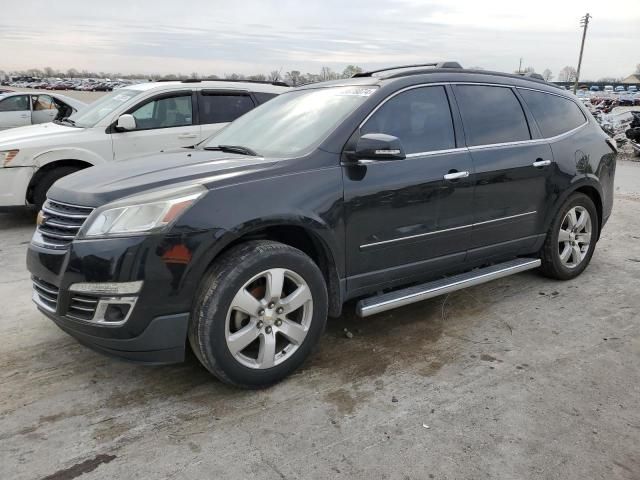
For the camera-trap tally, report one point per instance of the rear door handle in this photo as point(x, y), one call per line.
point(541, 163)
point(188, 135)
point(456, 175)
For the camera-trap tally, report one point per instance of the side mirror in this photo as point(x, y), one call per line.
point(126, 122)
point(378, 146)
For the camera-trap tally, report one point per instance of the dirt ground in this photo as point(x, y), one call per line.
point(521, 378)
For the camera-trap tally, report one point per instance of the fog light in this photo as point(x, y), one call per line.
point(116, 312)
point(108, 288)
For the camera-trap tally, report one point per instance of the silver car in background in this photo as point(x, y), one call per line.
point(20, 109)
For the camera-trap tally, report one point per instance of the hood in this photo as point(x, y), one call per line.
point(105, 183)
point(50, 134)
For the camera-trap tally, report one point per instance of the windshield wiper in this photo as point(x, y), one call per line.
point(234, 149)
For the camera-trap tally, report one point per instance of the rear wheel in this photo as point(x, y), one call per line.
point(260, 311)
point(46, 181)
point(571, 239)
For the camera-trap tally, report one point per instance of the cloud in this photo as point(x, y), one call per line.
point(252, 36)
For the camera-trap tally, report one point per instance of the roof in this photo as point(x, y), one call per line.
point(635, 78)
point(413, 75)
point(217, 84)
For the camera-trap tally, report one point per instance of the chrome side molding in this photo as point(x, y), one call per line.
point(399, 298)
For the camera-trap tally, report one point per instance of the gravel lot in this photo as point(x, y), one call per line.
point(521, 378)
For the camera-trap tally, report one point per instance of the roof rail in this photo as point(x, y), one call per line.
point(533, 75)
point(449, 64)
point(198, 80)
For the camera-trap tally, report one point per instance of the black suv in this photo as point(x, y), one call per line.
point(391, 187)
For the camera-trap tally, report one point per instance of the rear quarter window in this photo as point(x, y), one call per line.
point(491, 115)
point(554, 114)
point(263, 97)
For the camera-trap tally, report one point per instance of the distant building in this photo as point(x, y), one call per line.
point(635, 78)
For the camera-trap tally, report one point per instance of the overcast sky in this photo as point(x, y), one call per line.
point(253, 36)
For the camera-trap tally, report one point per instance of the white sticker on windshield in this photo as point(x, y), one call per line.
point(122, 97)
point(357, 91)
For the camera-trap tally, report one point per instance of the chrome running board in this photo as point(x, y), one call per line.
point(399, 298)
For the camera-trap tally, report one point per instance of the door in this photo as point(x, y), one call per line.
point(511, 171)
point(217, 108)
point(15, 111)
point(163, 122)
point(409, 218)
point(44, 110)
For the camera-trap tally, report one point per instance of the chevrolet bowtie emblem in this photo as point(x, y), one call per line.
point(40, 218)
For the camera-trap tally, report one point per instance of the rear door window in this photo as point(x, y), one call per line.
point(553, 113)
point(491, 115)
point(222, 108)
point(420, 118)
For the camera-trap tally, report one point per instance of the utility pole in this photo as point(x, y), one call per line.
point(520, 66)
point(584, 23)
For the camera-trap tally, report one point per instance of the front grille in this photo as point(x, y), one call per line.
point(82, 307)
point(45, 294)
point(60, 223)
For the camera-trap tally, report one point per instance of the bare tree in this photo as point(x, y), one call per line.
point(234, 76)
point(351, 70)
point(274, 76)
point(567, 74)
point(260, 77)
point(293, 77)
point(547, 75)
point(637, 69)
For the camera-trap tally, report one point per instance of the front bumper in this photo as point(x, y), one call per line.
point(155, 331)
point(155, 345)
point(14, 182)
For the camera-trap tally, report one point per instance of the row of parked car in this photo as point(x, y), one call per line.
point(79, 85)
point(391, 187)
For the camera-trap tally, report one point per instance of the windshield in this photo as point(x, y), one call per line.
point(93, 113)
point(292, 123)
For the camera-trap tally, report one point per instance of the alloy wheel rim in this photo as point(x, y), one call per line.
point(269, 318)
point(574, 237)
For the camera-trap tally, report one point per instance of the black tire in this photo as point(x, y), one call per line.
point(226, 277)
point(552, 265)
point(46, 181)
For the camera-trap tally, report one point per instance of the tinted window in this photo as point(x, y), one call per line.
point(420, 118)
point(554, 114)
point(264, 97)
point(491, 115)
point(223, 108)
point(164, 112)
point(18, 103)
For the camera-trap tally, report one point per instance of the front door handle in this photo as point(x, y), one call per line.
point(24, 116)
point(541, 163)
point(188, 135)
point(456, 175)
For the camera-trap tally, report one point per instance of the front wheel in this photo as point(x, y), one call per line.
point(571, 239)
point(260, 310)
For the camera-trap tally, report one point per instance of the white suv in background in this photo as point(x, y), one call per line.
point(131, 121)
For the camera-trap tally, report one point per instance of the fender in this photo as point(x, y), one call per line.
point(65, 153)
point(577, 182)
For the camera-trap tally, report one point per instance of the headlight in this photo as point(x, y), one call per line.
point(144, 213)
point(7, 155)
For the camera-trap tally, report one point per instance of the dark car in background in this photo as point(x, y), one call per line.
point(391, 187)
